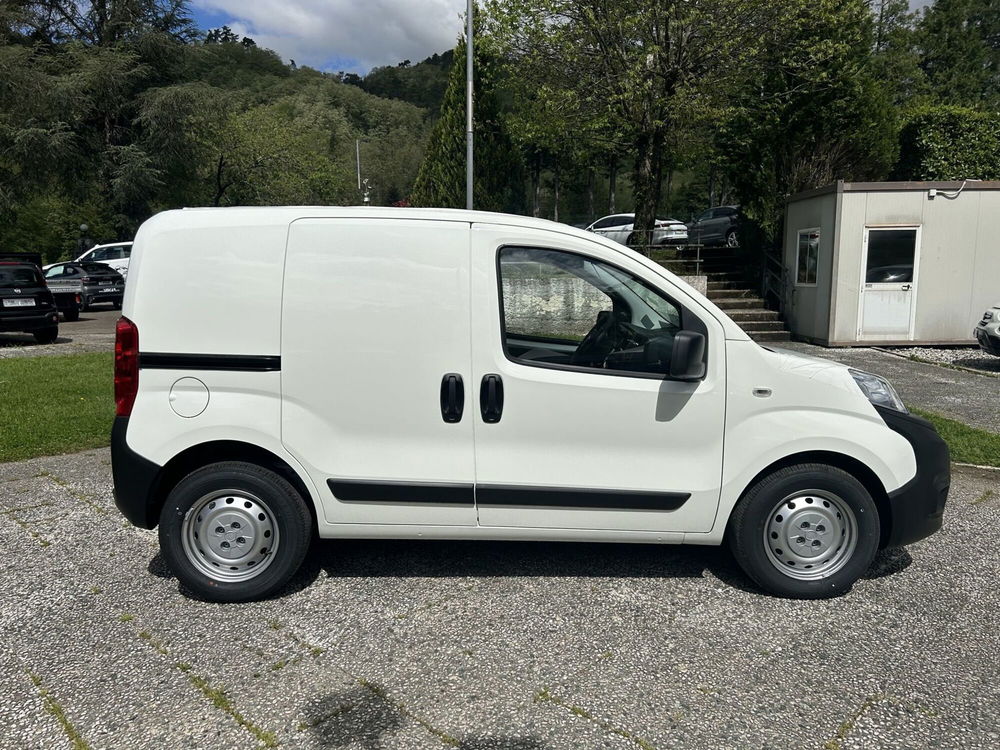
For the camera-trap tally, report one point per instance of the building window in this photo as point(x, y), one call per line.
point(808, 257)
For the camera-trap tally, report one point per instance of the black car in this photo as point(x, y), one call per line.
point(716, 226)
point(100, 282)
point(26, 304)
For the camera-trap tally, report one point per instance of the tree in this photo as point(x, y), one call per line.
point(959, 44)
point(814, 112)
point(650, 67)
point(498, 168)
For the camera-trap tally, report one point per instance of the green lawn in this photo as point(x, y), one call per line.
point(52, 405)
point(968, 445)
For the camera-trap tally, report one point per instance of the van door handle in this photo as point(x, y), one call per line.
point(491, 398)
point(452, 398)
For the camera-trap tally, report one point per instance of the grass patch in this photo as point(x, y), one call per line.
point(54, 405)
point(968, 445)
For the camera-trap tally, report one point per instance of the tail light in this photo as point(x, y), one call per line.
point(126, 366)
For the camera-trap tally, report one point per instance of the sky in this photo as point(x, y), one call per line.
point(333, 35)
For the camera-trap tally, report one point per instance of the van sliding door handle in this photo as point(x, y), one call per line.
point(452, 398)
point(491, 398)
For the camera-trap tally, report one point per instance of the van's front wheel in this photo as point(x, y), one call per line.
point(808, 531)
point(234, 531)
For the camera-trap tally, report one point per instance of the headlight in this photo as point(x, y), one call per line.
point(878, 390)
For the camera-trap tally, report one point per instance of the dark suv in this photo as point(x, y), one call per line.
point(716, 226)
point(26, 304)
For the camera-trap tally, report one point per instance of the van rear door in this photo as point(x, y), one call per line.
point(375, 349)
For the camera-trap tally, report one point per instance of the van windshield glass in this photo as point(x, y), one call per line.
point(17, 276)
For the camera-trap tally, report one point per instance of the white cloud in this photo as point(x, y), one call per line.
point(322, 33)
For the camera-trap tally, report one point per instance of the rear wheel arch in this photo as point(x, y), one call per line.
point(197, 456)
point(846, 463)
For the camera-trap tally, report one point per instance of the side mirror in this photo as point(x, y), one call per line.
point(687, 360)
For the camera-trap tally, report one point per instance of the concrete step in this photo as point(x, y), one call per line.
point(715, 286)
point(714, 294)
point(770, 336)
point(734, 276)
point(742, 316)
point(759, 326)
point(740, 303)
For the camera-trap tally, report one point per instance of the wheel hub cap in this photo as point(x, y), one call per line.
point(810, 535)
point(230, 536)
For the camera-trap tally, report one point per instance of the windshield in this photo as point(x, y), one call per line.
point(98, 268)
point(18, 276)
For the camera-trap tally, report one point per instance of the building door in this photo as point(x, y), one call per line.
point(888, 284)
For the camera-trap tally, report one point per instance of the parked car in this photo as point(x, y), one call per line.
point(716, 226)
point(988, 331)
point(26, 304)
point(483, 376)
point(619, 228)
point(98, 282)
point(66, 295)
point(115, 255)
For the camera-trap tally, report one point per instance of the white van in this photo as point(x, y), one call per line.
point(443, 374)
point(116, 255)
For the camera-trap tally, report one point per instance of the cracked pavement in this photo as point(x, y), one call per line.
point(520, 646)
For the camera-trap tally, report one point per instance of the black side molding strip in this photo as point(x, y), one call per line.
point(360, 491)
point(558, 497)
point(235, 362)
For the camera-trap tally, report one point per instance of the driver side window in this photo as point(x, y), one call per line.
point(569, 311)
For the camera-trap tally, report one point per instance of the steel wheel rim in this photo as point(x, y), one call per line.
point(230, 535)
point(732, 240)
point(810, 534)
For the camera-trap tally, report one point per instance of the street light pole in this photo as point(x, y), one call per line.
point(468, 106)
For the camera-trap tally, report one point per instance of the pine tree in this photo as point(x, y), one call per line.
point(498, 170)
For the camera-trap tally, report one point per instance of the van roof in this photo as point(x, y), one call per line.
point(285, 214)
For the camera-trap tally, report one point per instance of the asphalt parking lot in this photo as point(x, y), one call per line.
point(484, 645)
point(93, 332)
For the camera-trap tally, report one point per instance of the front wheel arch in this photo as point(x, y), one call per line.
point(197, 456)
point(851, 465)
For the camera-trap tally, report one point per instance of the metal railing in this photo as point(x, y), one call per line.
point(681, 257)
point(773, 278)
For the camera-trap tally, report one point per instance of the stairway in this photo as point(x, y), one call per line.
point(730, 289)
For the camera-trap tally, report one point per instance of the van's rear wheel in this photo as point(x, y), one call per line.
point(234, 531)
point(808, 531)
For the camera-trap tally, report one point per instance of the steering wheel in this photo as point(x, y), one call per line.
point(599, 342)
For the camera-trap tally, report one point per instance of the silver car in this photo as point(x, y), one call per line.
point(619, 227)
point(988, 331)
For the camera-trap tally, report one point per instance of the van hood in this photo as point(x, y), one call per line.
point(826, 371)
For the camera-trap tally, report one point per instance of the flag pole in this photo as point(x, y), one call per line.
point(468, 106)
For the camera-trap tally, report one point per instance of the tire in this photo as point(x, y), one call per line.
point(46, 335)
point(267, 530)
point(71, 316)
point(84, 305)
point(732, 239)
point(817, 501)
point(631, 241)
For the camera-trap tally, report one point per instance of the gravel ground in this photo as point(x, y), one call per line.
point(963, 356)
point(969, 397)
point(93, 332)
point(483, 645)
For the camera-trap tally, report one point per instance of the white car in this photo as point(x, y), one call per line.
point(619, 227)
point(445, 374)
point(115, 255)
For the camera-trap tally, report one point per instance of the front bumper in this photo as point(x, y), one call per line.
point(29, 321)
point(989, 338)
point(917, 508)
point(135, 479)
